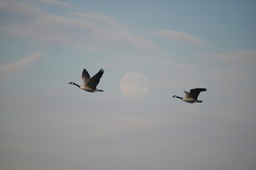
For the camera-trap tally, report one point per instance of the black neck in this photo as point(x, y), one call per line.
point(74, 84)
point(177, 97)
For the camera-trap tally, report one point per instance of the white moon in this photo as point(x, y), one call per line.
point(134, 85)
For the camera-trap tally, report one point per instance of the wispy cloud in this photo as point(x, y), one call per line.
point(10, 67)
point(78, 28)
point(97, 18)
point(180, 36)
point(237, 59)
point(59, 3)
point(18, 9)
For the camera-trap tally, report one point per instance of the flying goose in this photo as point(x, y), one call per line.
point(90, 84)
point(191, 97)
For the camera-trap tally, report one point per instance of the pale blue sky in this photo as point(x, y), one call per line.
point(47, 124)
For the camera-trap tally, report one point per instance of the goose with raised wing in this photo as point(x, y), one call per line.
point(191, 97)
point(90, 84)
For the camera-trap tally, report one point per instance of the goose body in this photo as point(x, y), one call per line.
point(90, 84)
point(191, 97)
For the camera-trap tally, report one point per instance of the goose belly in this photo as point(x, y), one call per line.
point(86, 88)
point(189, 100)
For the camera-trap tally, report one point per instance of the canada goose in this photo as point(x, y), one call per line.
point(90, 84)
point(191, 97)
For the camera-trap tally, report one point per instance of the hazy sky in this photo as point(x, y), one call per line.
point(47, 124)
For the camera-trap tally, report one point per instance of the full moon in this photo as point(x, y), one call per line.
point(134, 85)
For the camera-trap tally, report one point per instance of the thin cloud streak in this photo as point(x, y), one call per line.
point(59, 3)
point(76, 29)
point(97, 18)
point(238, 59)
point(7, 68)
point(180, 36)
point(22, 9)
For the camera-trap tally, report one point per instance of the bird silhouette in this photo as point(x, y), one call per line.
point(90, 84)
point(191, 97)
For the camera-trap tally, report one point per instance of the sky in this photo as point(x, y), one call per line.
point(175, 45)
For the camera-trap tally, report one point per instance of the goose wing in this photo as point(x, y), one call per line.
point(85, 76)
point(94, 81)
point(187, 94)
point(195, 92)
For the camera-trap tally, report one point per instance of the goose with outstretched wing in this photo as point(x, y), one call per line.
point(191, 97)
point(90, 84)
